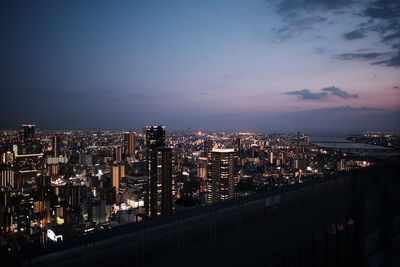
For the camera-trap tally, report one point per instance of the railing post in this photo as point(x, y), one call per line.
point(263, 239)
point(213, 237)
point(180, 241)
point(387, 220)
point(140, 246)
point(359, 219)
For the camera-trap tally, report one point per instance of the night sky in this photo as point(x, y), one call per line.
point(279, 65)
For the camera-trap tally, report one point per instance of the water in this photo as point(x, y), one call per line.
point(340, 142)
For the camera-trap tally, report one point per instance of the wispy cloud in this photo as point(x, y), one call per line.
point(361, 56)
point(383, 18)
point(306, 94)
point(393, 61)
point(289, 5)
point(298, 25)
point(340, 93)
point(357, 34)
point(348, 108)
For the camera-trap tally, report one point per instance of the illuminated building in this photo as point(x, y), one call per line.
point(208, 146)
point(118, 172)
point(28, 166)
point(7, 177)
point(283, 158)
point(236, 147)
point(202, 172)
point(159, 159)
point(155, 137)
point(118, 154)
point(129, 141)
point(56, 145)
point(222, 184)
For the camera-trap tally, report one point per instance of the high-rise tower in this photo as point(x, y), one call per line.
point(129, 141)
point(222, 184)
point(159, 158)
point(28, 131)
point(207, 147)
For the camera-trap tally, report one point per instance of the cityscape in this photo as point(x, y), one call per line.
point(56, 185)
point(200, 133)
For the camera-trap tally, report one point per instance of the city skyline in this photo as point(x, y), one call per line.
point(200, 133)
point(231, 65)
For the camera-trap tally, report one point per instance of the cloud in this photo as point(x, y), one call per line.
point(307, 94)
point(395, 87)
point(297, 26)
point(391, 37)
point(393, 61)
point(348, 108)
point(289, 5)
point(383, 9)
point(357, 34)
point(384, 18)
point(340, 93)
point(361, 56)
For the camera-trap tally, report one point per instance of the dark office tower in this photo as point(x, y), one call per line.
point(129, 142)
point(118, 154)
point(236, 147)
point(236, 144)
point(159, 158)
point(56, 145)
point(160, 198)
point(28, 131)
point(222, 184)
point(207, 146)
point(155, 136)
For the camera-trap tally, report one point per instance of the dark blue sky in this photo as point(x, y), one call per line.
point(222, 65)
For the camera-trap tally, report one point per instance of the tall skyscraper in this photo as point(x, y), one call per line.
point(207, 147)
point(283, 159)
point(118, 172)
point(129, 141)
point(236, 144)
point(162, 195)
point(271, 157)
point(28, 131)
point(56, 145)
point(236, 147)
point(155, 136)
point(222, 184)
point(7, 177)
point(118, 154)
point(159, 158)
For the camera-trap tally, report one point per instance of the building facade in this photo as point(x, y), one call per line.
point(222, 184)
point(159, 159)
